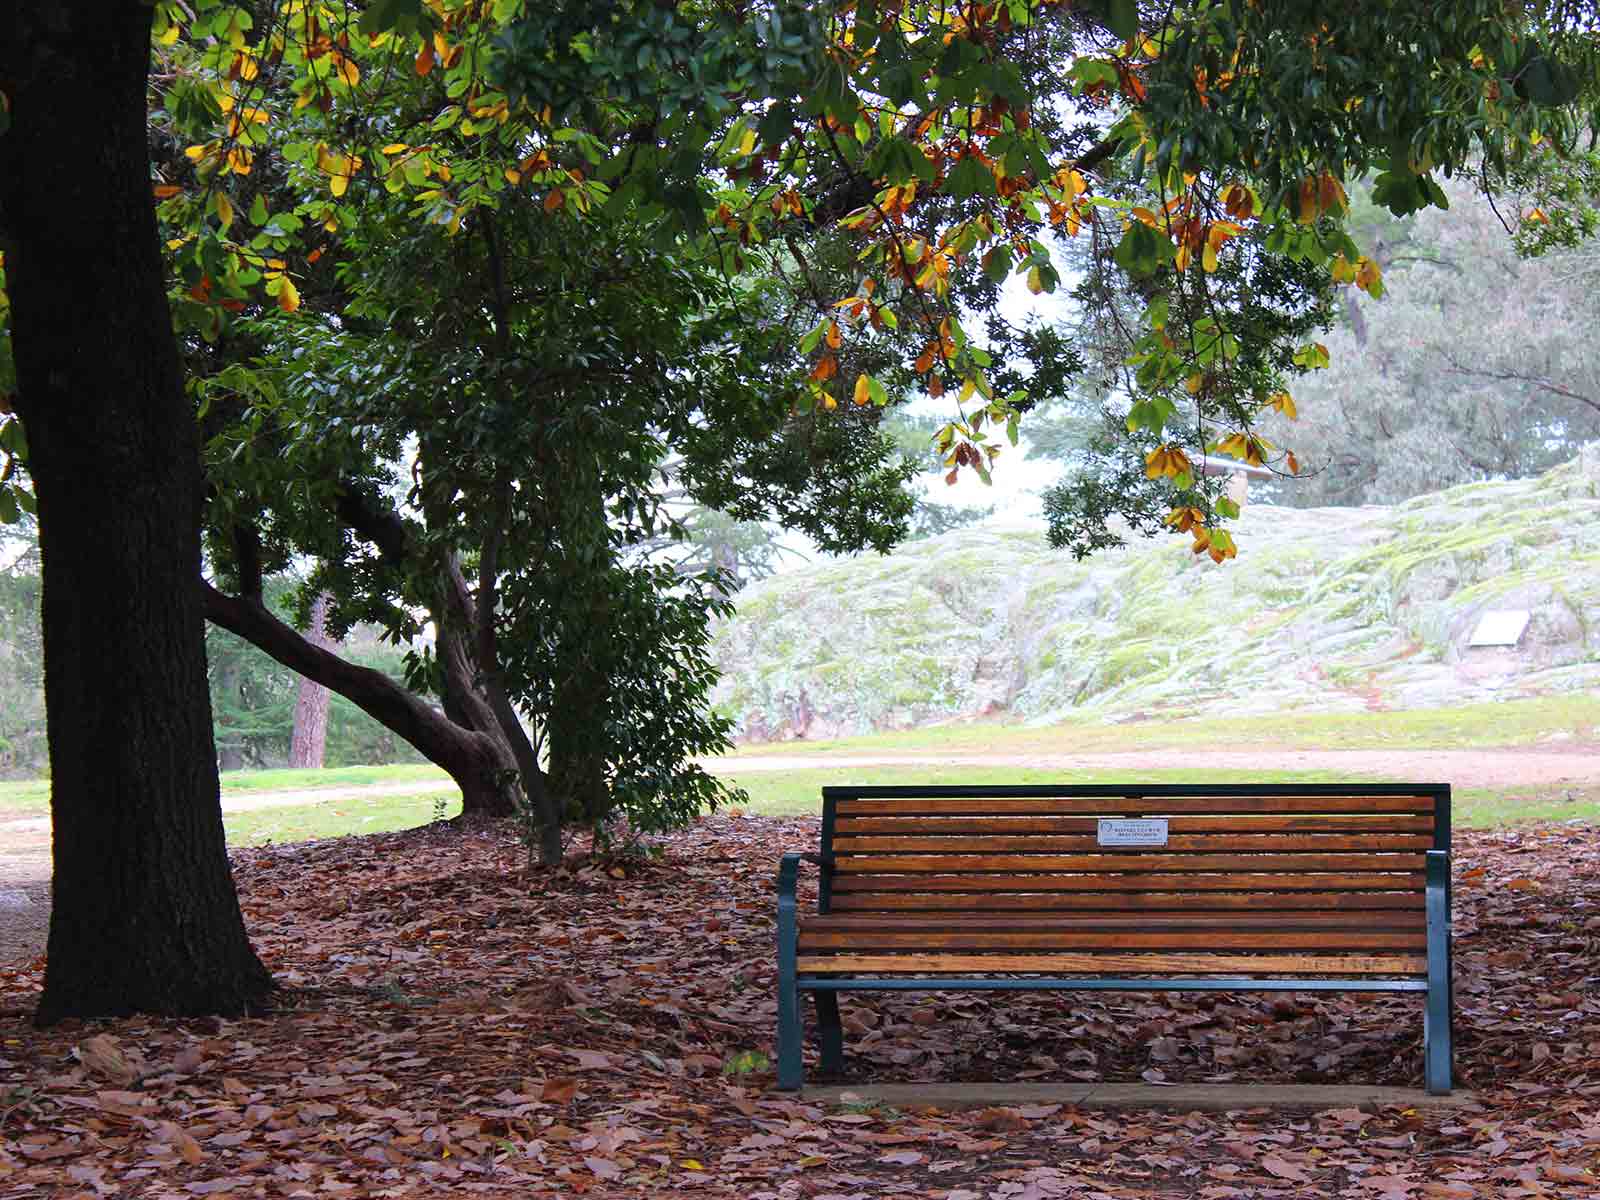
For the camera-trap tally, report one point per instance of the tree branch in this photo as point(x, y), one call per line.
point(1543, 382)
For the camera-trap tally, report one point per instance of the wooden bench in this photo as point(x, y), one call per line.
point(1138, 888)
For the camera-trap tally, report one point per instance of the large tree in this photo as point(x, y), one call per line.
point(144, 915)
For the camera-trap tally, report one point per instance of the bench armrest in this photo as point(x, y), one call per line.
point(789, 872)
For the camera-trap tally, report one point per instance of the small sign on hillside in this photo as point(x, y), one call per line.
point(1500, 627)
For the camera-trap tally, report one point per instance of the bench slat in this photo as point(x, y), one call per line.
point(1123, 806)
point(993, 843)
point(1145, 863)
point(1113, 939)
point(1394, 919)
point(958, 902)
point(1132, 882)
point(1213, 823)
point(1092, 964)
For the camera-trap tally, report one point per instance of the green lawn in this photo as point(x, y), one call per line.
point(793, 793)
point(1574, 717)
point(335, 818)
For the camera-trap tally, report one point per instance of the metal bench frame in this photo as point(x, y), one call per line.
point(1437, 986)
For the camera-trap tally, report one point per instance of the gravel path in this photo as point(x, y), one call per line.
point(25, 841)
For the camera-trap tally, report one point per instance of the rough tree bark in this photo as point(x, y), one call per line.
point(144, 914)
point(308, 740)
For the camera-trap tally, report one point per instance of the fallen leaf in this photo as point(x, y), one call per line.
point(104, 1056)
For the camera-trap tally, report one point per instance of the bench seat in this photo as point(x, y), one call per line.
point(1251, 888)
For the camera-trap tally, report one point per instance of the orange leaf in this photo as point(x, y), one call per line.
point(288, 298)
point(425, 59)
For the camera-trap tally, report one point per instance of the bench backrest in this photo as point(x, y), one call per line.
point(1040, 850)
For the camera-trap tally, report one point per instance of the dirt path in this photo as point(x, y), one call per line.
point(25, 841)
point(25, 855)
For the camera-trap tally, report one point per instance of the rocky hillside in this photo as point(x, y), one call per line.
point(1324, 609)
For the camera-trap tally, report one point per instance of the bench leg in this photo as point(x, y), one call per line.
point(1437, 1016)
point(791, 1071)
point(1436, 1041)
point(831, 1031)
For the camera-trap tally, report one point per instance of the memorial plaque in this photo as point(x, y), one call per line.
point(1132, 831)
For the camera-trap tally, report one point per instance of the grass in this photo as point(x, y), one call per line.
point(336, 818)
point(798, 793)
point(1575, 718)
point(236, 782)
point(1468, 726)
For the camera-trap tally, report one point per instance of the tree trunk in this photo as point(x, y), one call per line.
point(144, 915)
point(309, 739)
point(476, 763)
point(465, 704)
point(477, 614)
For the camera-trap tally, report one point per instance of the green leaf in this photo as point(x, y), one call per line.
point(258, 210)
point(970, 178)
point(402, 16)
point(1122, 18)
point(10, 513)
point(1142, 251)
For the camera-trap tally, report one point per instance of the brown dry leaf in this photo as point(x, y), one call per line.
point(903, 1158)
point(104, 1056)
point(1002, 1119)
point(1283, 1169)
point(178, 1138)
point(558, 1091)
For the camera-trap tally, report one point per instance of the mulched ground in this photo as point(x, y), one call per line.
point(448, 1028)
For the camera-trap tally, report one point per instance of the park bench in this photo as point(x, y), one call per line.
point(1138, 888)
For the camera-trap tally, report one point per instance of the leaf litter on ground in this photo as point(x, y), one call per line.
point(450, 1025)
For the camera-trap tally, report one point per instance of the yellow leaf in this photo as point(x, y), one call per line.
point(240, 160)
point(1035, 281)
point(338, 184)
point(288, 297)
point(1208, 256)
point(863, 391)
point(1284, 403)
point(396, 148)
point(224, 208)
point(692, 1164)
point(195, 153)
point(1193, 384)
point(169, 35)
point(347, 70)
